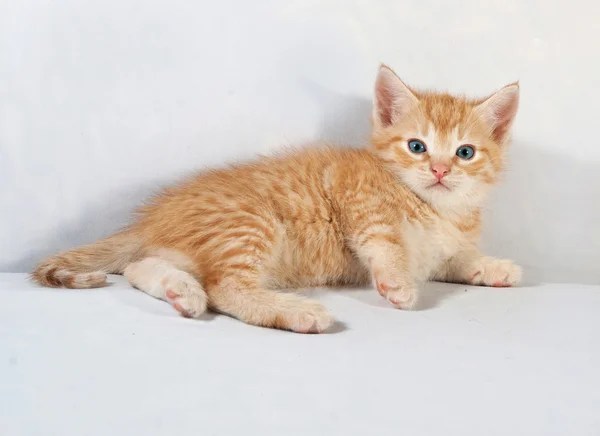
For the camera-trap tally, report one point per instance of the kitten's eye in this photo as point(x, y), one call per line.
point(465, 152)
point(416, 146)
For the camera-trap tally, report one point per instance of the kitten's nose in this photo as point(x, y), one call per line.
point(440, 170)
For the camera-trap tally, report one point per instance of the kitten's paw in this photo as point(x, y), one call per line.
point(402, 297)
point(393, 284)
point(185, 294)
point(306, 317)
point(489, 271)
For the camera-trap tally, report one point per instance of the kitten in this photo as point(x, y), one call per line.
point(403, 211)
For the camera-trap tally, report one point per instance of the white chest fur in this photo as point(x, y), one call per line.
point(429, 245)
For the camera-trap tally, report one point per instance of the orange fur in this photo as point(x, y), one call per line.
point(316, 217)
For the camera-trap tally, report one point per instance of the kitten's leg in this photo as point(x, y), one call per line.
point(373, 233)
point(266, 308)
point(391, 272)
point(383, 252)
point(236, 277)
point(163, 280)
point(472, 267)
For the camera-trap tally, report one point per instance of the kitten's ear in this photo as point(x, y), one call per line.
point(393, 99)
point(499, 110)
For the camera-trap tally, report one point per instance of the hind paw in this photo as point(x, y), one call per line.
point(307, 317)
point(162, 280)
point(186, 295)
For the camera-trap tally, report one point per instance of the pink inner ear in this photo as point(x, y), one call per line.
point(392, 98)
point(500, 109)
point(385, 104)
point(504, 115)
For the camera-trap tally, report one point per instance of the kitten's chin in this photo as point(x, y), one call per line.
point(454, 199)
point(443, 196)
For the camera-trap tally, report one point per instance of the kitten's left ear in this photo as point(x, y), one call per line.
point(499, 110)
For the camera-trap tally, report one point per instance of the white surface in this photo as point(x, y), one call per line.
point(472, 361)
point(100, 102)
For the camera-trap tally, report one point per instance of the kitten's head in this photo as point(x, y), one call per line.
point(448, 150)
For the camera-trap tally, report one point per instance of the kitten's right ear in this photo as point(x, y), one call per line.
point(393, 99)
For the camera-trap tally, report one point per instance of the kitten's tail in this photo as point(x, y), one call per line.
point(87, 266)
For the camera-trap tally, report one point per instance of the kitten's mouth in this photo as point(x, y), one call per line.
point(438, 186)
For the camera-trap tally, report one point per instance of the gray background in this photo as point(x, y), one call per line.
point(103, 102)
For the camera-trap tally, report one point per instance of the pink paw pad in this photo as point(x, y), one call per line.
point(171, 294)
point(383, 288)
point(180, 309)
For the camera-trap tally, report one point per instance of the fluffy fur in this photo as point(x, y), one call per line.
point(319, 217)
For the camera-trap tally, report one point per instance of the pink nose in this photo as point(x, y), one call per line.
point(440, 170)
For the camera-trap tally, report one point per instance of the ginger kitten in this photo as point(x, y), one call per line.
point(403, 211)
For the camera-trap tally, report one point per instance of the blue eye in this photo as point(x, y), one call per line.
point(416, 146)
point(465, 152)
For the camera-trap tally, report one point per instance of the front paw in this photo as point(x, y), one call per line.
point(489, 271)
point(398, 292)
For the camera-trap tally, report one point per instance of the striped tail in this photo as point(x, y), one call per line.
point(87, 266)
